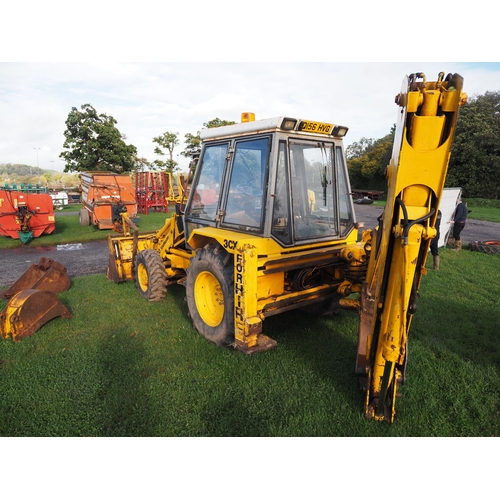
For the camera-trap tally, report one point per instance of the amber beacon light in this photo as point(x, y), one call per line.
point(247, 117)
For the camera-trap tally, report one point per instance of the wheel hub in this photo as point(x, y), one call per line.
point(209, 298)
point(142, 277)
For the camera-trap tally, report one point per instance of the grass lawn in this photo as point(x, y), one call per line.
point(69, 230)
point(125, 367)
point(490, 214)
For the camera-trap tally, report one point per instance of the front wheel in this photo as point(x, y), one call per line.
point(150, 275)
point(210, 294)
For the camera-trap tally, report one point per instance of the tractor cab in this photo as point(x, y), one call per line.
point(280, 178)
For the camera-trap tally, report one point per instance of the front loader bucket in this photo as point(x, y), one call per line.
point(47, 275)
point(29, 310)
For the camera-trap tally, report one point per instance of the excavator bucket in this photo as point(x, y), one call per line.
point(29, 310)
point(48, 275)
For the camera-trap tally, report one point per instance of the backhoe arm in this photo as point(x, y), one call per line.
point(398, 249)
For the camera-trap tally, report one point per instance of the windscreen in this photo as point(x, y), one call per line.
point(313, 190)
point(346, 213)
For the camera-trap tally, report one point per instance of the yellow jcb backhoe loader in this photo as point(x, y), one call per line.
point(269, 226)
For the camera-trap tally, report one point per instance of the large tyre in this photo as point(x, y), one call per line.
point(210, 294)
point(84, 217)
point(492, 246)
point(150, 275)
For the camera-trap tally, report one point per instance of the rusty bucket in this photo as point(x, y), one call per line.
point(29, 310)
point(48, 275)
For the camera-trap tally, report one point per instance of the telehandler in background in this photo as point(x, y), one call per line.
point(269, 226)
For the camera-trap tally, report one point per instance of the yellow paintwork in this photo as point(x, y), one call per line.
point(385, 267)
point(259, 270)
point(209, 298)
point(258, 278)
point(142, 277)
point(416, 180)
point(267, 247)
point(172, 196)
point(247, 324)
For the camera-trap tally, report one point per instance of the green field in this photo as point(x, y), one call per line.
point(68, 229)
point(125, 367)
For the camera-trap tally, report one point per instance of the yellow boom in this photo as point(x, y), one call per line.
point(416, 175)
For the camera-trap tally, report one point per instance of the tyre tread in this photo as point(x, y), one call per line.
point(157, 276)
point(214, 258)
point(488, 247)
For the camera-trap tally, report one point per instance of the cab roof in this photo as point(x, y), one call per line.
point(280, 123)
point(242, 128)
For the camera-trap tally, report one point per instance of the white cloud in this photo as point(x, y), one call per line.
point(148, 99)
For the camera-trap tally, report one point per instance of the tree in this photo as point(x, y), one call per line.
point(367, 162)
point(193, 142)
point(475, 153)
point(141, 164)
point(217, 122)
point(168, 141)
point(192, 145)
point(95, 144)
point(357, 149)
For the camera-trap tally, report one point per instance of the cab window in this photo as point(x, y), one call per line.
point(247, 183)
point(206, 188)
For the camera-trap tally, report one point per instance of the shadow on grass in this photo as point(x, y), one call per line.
point(300, 387)
point(305, 386)
point(126, 406)
point(328, 345)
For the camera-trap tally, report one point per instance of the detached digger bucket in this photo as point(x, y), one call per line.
point(48, 275)
point(29, 310)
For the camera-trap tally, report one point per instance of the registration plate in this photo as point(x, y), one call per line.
point(317, 127)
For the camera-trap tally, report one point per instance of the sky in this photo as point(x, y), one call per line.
point(150, 98)
point(165, 67)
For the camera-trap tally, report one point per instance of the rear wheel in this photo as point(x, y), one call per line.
point(150, 275)
point(210, 294)
point(84, 217)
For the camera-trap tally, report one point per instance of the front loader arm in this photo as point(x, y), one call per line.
point(416, 175)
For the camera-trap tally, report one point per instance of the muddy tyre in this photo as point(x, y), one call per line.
point(210, 294)
point(491, 247)
point(84, 217)
point(150, 275)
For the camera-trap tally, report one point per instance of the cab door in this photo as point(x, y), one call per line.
point(245, 196)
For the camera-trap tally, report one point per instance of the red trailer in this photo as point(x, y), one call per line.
point(25, 216)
